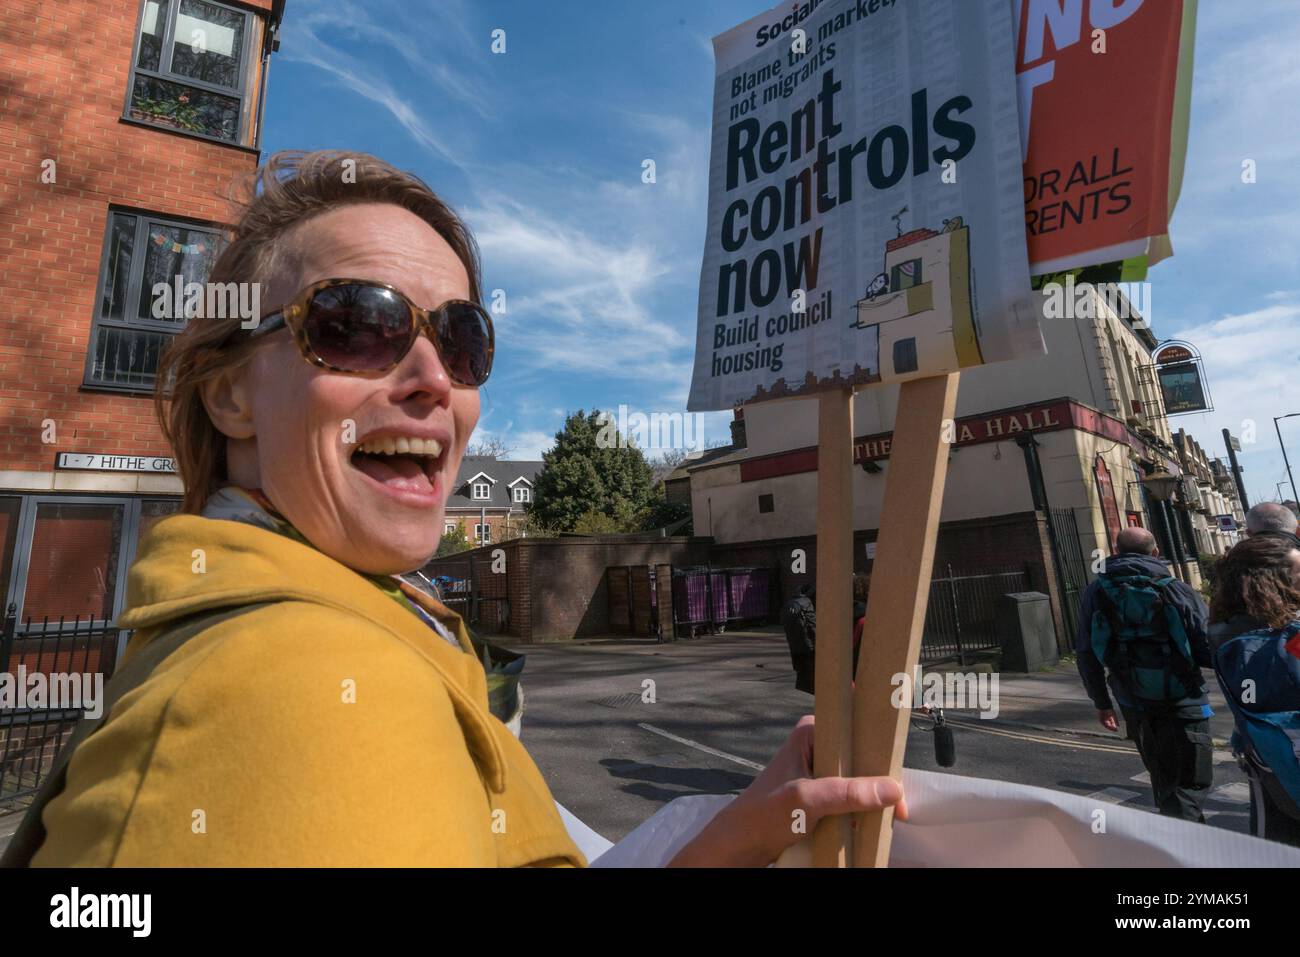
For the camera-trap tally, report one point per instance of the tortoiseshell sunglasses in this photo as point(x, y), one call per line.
point(360, 326)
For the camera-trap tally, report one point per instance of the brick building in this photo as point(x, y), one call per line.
point(1050, 457)
point(123, 124)
point(490, 497)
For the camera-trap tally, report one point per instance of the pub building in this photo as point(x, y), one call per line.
point(1049, 458)
point(106, 194)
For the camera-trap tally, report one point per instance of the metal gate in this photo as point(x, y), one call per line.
point(59, 657)
point(1071, 566)
point(961, 617)
point(475, 589)
point(707, 599)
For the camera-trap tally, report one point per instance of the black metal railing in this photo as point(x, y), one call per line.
point(1073, 566)
point(961, 619)
point(49, 667)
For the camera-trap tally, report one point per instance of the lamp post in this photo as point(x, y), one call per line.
point(1278, 428)
point(1160, 485)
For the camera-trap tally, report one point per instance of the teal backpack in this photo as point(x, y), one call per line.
point(1140, 637)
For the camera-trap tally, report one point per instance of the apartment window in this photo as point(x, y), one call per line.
point(482, 490)
point(523, 493)
point(766, 504)
point(483, 533)
point(905, 274)
point(448, 528)
point(905, 355)
point(140, 251)
point(191, 68)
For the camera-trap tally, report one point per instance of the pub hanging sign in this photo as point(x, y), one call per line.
point(1181, 375)
point(110, 462)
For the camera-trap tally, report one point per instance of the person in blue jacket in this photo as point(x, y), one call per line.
point(1256, 633)
point(1136, 611)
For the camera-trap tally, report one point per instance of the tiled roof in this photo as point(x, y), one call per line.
point(915, 236)
point(504, 472)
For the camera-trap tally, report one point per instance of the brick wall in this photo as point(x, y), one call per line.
point(1007, 541)
point(556, 588)
point(64, 72)
point(971, 547)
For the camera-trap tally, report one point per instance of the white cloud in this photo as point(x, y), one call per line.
point(1246, 65)
point(423, 51)
point(531, 444)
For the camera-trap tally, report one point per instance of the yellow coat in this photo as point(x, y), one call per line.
point(330, 727)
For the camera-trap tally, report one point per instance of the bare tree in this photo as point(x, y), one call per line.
point(667, 460)
point(492, 446)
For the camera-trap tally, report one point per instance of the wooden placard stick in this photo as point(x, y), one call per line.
point(900, 587)
point(832, 737)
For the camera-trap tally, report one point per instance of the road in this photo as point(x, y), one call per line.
point(621, 727)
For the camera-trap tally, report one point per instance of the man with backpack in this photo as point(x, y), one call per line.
point(1146, 632)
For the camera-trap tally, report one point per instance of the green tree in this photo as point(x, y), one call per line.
point(592, 522)
point(592, 469)
point(660, 513)
point(453, 542)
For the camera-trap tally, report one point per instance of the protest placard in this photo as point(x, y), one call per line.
point(866, 210)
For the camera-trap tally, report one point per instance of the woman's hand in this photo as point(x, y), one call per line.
point(754, 829)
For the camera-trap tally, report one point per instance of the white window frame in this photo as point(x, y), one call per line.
point(523, 494)
point(474, 491)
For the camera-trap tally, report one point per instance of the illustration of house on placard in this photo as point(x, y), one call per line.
point(920, 308)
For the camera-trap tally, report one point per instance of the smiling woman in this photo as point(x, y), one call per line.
point(287, 698)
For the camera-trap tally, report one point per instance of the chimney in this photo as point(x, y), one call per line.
point(738, 427)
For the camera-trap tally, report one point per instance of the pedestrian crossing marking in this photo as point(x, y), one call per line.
point(1143, 778)
point(1114, 795)
point(1238, 792)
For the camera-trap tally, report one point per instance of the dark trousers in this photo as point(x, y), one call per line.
point(1178, 755)
point(805, 672)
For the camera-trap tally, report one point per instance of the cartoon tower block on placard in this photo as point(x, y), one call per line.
point(920, 307)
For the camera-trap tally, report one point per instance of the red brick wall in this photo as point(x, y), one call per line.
point(64, 72)
point(1008, 541)
point(519, 572)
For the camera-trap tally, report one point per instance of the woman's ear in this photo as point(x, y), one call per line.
point(227, 397)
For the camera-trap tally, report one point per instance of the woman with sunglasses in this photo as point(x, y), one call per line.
point(287, 699)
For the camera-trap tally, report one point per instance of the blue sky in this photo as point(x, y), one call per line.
point(541, 149)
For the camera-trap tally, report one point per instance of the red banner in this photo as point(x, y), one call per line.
point(1098, 82)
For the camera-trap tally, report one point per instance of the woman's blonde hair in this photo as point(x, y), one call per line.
point(291, 188)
